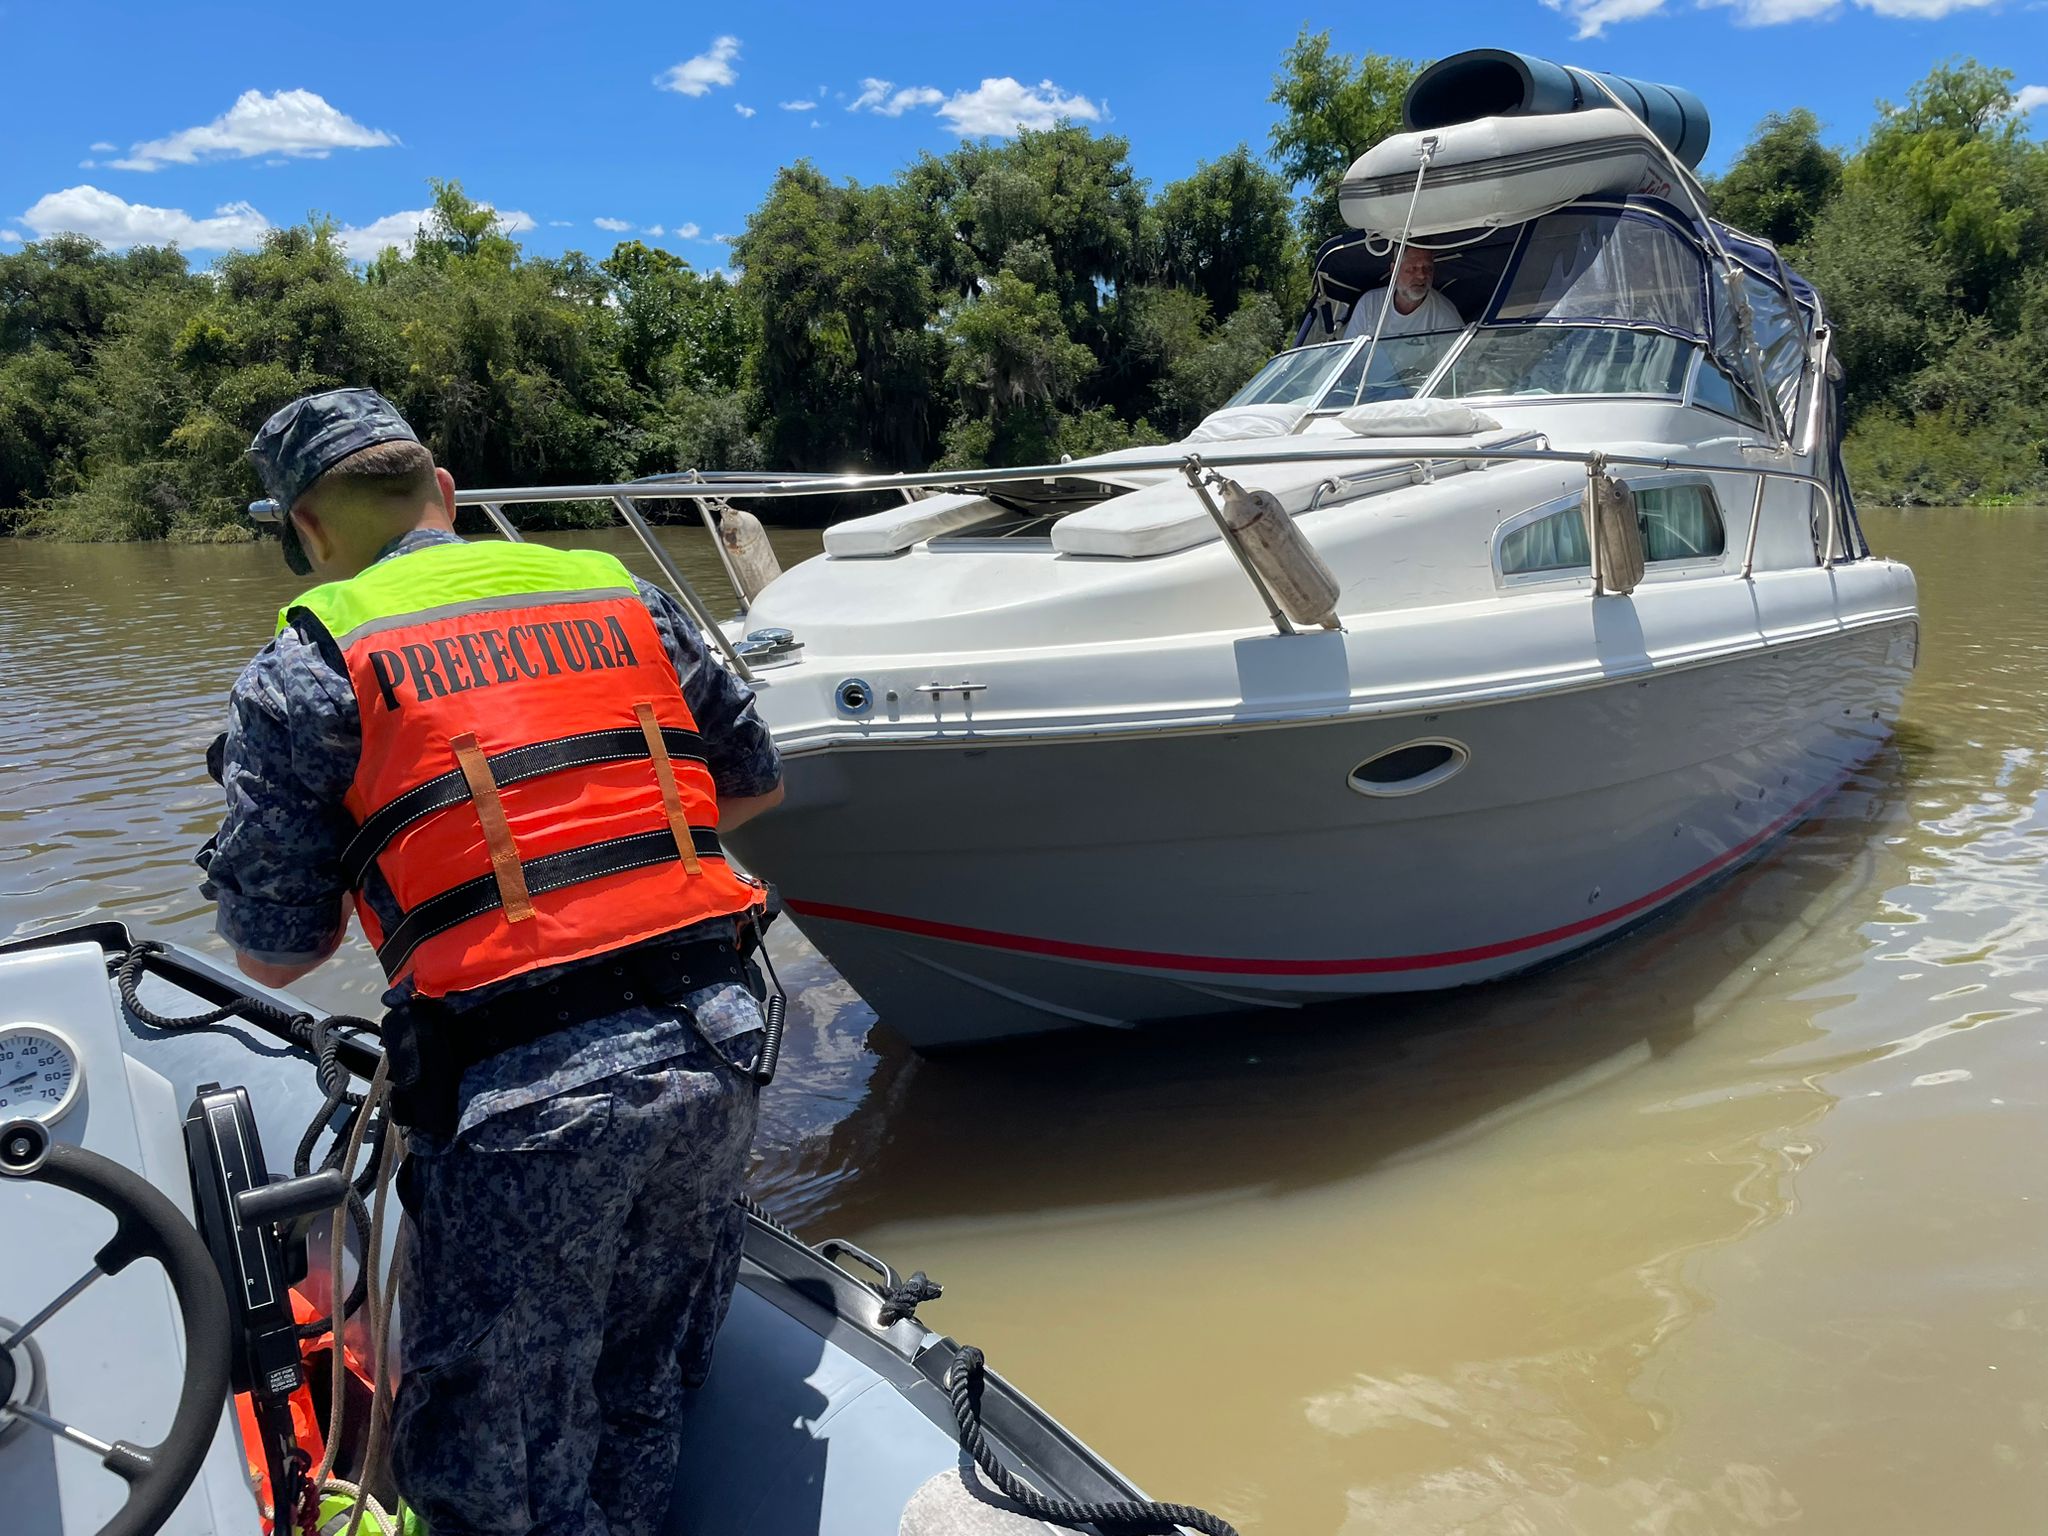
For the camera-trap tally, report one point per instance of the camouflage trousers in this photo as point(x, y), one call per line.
point(570, 1264)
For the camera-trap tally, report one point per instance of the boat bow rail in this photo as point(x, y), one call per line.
point(629, 497)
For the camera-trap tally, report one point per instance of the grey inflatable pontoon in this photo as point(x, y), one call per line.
point(818, 1417)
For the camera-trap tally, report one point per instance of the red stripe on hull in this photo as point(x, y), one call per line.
point(1166, 960)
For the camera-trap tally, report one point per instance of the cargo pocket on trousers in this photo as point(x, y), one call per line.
point(567, 1122)
point(459, 1435)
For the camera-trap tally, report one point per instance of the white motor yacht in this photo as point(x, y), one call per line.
point(1425, 660)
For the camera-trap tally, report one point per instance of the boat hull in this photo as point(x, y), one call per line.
point(975, 890)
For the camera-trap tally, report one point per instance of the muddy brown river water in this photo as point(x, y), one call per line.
point(1739, 1223)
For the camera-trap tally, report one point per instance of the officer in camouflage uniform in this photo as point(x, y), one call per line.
point(575, 1241)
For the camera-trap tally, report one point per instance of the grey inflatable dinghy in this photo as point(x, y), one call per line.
point(831, 1406)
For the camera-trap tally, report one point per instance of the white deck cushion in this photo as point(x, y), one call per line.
point(1241, 421)
point(1416, 418)
point(895, 529)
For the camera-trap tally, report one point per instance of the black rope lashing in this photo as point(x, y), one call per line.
point(901, 1300)
point(1127, 1517)
point(316, 1037)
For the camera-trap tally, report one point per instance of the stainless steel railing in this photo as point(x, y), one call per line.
point(703, 489)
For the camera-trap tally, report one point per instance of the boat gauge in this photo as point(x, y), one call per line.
point(40, 1077)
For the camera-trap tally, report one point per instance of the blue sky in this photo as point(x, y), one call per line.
point(583, 124)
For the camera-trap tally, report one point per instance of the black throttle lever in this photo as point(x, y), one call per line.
point(291, 1200)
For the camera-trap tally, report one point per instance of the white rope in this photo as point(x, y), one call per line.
point(337, 1398)
point(381, 1297)
point(1394, 272)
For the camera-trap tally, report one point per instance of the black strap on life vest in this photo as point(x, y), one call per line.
point(550, 872)
point(509, 767)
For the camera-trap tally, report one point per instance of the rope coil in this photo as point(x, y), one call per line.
point(1127, 1517)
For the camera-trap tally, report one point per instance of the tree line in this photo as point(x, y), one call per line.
point(1005, 303)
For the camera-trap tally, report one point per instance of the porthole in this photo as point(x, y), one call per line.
point(1409, 768)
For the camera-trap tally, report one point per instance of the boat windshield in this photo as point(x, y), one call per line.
point(1294, 378)
point(1567, 360)
point(1628, 267)
point(1596, 302)
point(1401, 365)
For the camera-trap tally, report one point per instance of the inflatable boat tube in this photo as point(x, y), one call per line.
point(1498, 170)
point(1493, 82)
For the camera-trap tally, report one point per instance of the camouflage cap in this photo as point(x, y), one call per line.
point(309, 437)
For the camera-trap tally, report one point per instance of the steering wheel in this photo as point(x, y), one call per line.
point(147, 1226)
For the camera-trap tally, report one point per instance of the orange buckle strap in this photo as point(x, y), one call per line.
point(671, 797)
point(483, 791)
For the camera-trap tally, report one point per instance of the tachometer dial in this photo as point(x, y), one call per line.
point(39, 1073)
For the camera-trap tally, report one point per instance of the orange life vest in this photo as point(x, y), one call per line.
point(532, 786)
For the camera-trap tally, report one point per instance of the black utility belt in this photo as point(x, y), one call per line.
point(432, 1045)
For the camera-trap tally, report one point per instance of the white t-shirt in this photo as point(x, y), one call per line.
point(1434, 313)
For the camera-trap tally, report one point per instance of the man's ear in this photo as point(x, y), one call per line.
point(313, 535)
point(446, 482)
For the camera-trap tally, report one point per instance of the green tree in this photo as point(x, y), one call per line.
point(1782, 179)
point(1224, 232)
point(1334, 109)
point(847, 359)
point(1012, 365)
point(1955, 161)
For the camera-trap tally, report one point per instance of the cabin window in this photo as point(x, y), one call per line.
point(1617, 268)
point(1552, 540)
point(1567, 360)
point(1678, 522)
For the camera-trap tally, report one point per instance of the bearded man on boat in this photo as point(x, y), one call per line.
point(515, 762)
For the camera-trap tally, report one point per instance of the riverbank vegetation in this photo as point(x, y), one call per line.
point(1005, 303)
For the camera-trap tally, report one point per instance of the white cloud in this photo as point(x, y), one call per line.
point(364, 242)
point(2030, 97)
point(880, 96)
point(1774, 13)
point(9, 237)
point(104, 148)
point(656, 230)
point(798, 106)
point(1003, 106)
point(686, 231)
point(1595, 16)
point(743, 109)
point(117, 222)
point(561, 223)
point(297, 123)
point(725, 239)
point(616, 226)
point(1922, 10)
point(696, 77)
